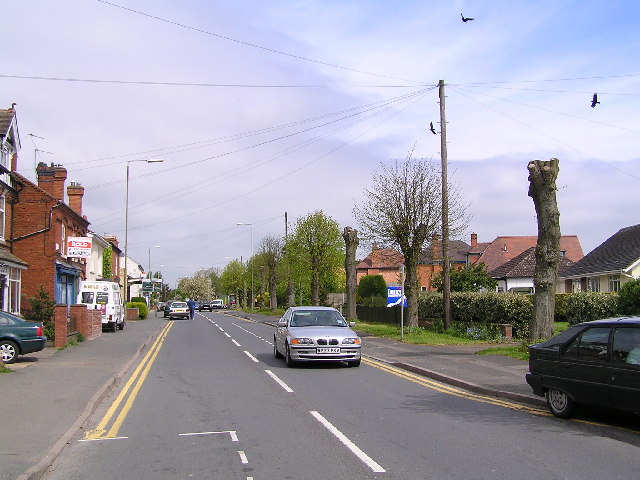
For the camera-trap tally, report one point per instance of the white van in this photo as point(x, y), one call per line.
point(107, 297)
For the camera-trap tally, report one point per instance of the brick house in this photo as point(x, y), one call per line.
point(430, 261)
point(381, 261)
point(609, 266)
point(43, 223)
point(11, 265)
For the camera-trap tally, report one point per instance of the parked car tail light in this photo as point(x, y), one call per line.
point(351, 341)
point(302, 341)
point(39, 331)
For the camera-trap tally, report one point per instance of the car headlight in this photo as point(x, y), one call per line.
point(351, 341)
point(302, 341)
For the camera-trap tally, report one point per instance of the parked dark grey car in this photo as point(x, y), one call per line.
point(595, 363)
point(18, 337)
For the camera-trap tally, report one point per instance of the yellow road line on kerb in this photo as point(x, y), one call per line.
point(138, 377)
point(449, 390)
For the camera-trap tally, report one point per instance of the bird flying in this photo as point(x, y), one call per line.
point(433, 130)
point(595, 101)
point(465, 19)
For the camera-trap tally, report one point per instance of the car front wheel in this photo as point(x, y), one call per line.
point(354, 363)
point(287, 358)
point(276, 353)
point(8, 351)
point(559, 403)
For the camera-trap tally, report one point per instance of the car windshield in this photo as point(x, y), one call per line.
point(317, 318)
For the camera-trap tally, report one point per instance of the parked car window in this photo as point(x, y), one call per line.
point(560, 339)
point(626, 345)
point(591, 345)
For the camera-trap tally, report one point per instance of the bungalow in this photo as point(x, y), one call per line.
point(608, 266)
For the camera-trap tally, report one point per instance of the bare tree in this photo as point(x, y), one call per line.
point(271, 251)
point(402, 210)
point(351, 241)
point(542, 189)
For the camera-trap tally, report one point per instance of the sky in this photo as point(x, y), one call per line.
point(258, 108)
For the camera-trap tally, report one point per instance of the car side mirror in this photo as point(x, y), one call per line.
point(282, 323)
point(352, 324)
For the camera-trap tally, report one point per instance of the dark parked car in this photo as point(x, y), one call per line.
point(18, 337)
point(595, 363)
point(205, 305)
point(167, 307)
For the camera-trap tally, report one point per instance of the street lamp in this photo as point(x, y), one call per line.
point(251, 227)
point(126, 223)
point(151, 276)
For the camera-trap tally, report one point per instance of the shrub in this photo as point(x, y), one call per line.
point(629, 298)
point(588, 306)
point(142, 308)
point(375, 301)
point(42, 310)
point(372, 286)
point(138, 300)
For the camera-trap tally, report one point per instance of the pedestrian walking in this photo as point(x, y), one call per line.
point(192, 308)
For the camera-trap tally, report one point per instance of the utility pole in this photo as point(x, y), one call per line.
point(446, 277)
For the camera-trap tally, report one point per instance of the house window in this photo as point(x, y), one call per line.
point(614, 283)
point(563, 253)
point(2, 205)
point(575, 286)
point(63, 239)
point(423, 288)
point(594, 284)
point(14, 290)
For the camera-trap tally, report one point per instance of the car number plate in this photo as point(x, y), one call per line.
point(328, 350)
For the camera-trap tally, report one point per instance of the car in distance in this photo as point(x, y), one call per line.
point(306, 334)
point(18, 337)
point(178, 310)
point(167, 308)
point(217, 304)
point(596, 363)
point(205, 305)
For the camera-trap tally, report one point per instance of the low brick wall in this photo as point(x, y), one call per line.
point(61, 325)
point(87, 322)
point(132, 314)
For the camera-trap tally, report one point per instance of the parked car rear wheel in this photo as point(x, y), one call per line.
point(559, 403)
point(8, 351)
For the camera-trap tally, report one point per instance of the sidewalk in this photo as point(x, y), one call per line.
point(51, 393)
point(494, 375)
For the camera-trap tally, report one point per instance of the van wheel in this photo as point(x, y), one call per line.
point(121, 326)
point(559, 403)
point(112, 326)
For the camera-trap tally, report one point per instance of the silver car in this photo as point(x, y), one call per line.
point(316, 334)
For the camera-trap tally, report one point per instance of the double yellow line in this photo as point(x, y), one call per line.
point(138, 377)
point(449, 390)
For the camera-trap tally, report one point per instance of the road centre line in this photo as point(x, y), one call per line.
point(139, 375)
point(232, 433)
point(243, 457)
point(236, 343)
point(366, 459)
point(252, 357)
point(279, 381)
point(227, 334)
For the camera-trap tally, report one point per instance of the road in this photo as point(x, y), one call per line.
point(210, 401)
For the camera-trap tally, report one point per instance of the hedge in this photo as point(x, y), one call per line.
point(587, 306)
point(142, 308)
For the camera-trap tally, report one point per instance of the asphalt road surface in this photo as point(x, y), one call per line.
point(210, 401)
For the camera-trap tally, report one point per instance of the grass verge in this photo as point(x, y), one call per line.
point(418, 336)
point(4, 369)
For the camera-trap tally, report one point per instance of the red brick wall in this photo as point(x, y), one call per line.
point(60, 322)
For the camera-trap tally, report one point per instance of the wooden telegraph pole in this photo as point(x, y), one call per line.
point(446, 277)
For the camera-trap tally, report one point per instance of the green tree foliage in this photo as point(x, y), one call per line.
point(42, 307)
point(107, 262)
point(629, 298)
point(372, 286)
point(316, 247)
point(473, 278)
point(231, 278)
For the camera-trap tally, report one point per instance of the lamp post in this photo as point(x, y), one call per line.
point(250, 225)
point(126, 223)
point(150, 275)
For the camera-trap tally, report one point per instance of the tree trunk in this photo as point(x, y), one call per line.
point(262, 286)
point(315, 287)
point(273, 297)
point(542, 189)
point(351, 241)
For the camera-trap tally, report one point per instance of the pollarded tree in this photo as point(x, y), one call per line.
point(317, 245)
point(402, 210)
point(270, 249)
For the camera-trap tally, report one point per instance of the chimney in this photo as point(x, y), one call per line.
point(51, 179)
point(75, 192)
point(474, 239)
point(375, 255)
point(435, 246)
